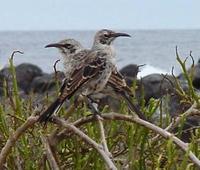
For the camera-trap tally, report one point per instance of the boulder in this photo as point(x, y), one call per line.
point(130, 71)
point(154, 86)
point(45, 82)
point(25, 74)
point(195, 74)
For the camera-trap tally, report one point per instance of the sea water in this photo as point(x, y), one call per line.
point(155, 48)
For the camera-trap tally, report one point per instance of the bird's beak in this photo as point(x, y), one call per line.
point(120, 34)
point(57, 45)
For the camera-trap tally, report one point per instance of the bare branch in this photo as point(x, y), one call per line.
point(134, 119)
point(88, 140)
point(14, 52)
point(54, 66)
point(187, 113)
point(14, 137)
point(177, 121)
point(49, 154)
point(192, 59)
point(158, 130)
point(103, 137)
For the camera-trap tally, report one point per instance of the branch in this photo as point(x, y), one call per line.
point(88, 140)
point(158, 130)
point(55, 70)
point(187, 77)
point(14, 52)
point(177, 121)
point(134, 119)
point(49, 154)
point(190, 111)
point(103, 138)
point(14, 137)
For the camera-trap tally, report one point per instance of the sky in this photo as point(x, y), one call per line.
point(97, 14)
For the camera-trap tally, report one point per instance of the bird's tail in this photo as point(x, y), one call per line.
point(133, 107)
point(53, 108)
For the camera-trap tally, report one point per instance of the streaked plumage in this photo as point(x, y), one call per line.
point(89, 76)
point(116, 84)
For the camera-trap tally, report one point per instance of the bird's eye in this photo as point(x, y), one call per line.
point(106, 36)
point(68, 45)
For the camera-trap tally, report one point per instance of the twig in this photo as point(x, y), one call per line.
point(49, 154)
point(192, 59)
point(158, 130)
point(55, 70)
point(134, 119)
point(87, 140)
point(103, 138)
point(187, 77)
point(14, 137)
point(187, 113)
point(55, 64)
point(177, 121)
point(179, 89)
point(14, 52)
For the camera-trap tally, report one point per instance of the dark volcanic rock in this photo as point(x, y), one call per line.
point(189, 126)
point(25, 74)
point(176, 105)
point(5, 76)
point(195, 74)
point(29, 78)
point(130, 73)
point(130, 70)
point(46, 82)
point(154, 86)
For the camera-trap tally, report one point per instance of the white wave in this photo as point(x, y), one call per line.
point(148, 69)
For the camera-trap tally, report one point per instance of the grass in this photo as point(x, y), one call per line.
point(130, 144)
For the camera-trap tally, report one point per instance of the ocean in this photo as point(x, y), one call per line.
point(155, 48)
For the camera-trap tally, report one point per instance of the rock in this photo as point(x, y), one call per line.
point(6, 82)
point(195, 74)
point(174, 105)
point(25, 73)
point(154, 86)
point(46, 82)
point(5, 76)
point(130, 71)
point(188, 130)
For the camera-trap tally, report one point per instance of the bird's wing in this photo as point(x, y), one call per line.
point(118, 82)
point(82, 55)
point(94, 64)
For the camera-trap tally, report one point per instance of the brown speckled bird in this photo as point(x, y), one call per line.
point(89, 76)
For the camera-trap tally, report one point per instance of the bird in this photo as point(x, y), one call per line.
point(68, 48)
point(91, 75)
point(116, 84)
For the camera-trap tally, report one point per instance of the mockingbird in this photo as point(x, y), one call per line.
point(91, 75)
point(116, 84)
point(72, 52)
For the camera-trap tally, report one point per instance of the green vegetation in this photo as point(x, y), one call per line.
point(132, 146)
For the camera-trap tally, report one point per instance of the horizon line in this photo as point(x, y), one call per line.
point(128, 29)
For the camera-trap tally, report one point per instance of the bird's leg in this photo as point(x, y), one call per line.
point(93, 106)
point(78, 100)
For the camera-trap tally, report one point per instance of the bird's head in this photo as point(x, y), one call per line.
point(67, 46)
point(106, 37)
